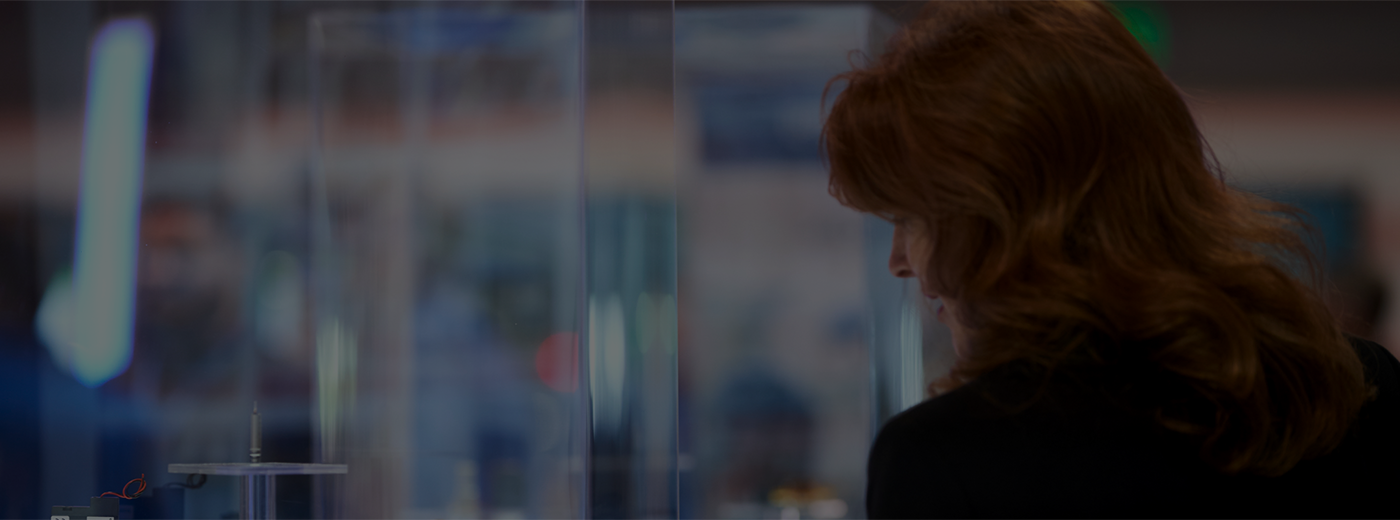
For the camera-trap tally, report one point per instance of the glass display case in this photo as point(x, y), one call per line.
point(495, 277)
point(445, 226)
point(497, 259)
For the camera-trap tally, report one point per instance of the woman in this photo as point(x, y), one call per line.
point(1133, 338)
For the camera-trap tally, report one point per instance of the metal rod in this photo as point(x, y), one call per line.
point(255, 442)
point(259, 498)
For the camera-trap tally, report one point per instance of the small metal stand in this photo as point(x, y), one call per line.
point(259, 481)
point(259, 478)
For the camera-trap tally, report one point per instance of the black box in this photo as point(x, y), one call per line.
point(99, 507)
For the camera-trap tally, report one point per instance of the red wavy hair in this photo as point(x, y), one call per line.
point(1073, 206)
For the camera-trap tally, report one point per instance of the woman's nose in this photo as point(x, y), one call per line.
point(899, 261)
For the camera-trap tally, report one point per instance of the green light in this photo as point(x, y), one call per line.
point(1148, 23)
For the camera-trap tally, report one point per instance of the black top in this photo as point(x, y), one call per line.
point(1075, 453)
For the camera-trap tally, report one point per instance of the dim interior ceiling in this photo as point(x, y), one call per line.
point(1269, 45)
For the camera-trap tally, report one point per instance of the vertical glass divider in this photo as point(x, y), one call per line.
point(629, 264)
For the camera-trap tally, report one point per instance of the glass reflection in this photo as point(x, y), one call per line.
point(630, 259)
point(446, 210)
point(776, 378)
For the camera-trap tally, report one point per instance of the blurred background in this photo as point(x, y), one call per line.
point(517, 259)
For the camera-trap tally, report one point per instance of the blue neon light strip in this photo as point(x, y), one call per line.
point(109, 199)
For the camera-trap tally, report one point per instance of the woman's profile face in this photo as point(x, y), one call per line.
point(910, 254)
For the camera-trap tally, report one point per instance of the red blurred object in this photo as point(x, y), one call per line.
point(557, 361)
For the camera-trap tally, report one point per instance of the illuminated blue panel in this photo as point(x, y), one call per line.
point(109, 199)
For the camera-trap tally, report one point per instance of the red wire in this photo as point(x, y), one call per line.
point(139, 489)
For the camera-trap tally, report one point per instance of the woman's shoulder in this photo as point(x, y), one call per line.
point(961, 417)
point(1009, 432)
point(1378, 424)
point(1382, 367)
point(1024, 399)
point(910, 474)
point(944, 414)
point(1050, 439)
point(1013, 407)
